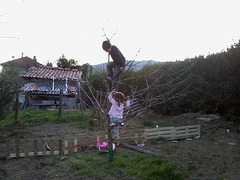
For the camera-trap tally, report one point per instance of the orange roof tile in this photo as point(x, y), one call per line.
point(44, 72)
point(46, 87)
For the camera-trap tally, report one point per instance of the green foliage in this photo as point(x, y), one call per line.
point(8, 81)
point(213, 87)
point(73, 64)
point(129, 81)
point(65, 63)
point(32, 115)
point(207, 84)
point(127, 165)
point(86, 70)
point(97, 81)
point(49, 64)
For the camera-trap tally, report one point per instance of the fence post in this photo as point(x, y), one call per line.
point(199, 132)
point(65, 145)
point(52, 147)
point(144, 136)
point(172, 132)
point(75, 143)
point(8, 149)
point(26, 148)
point(17, 141)
point(187, 132)
point(136, 138)
point(35, 147)
point(60, 147)
point(44, 147)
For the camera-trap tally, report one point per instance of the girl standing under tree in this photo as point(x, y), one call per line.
point(119, 102)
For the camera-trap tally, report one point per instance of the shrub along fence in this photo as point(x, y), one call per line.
point(68, 145)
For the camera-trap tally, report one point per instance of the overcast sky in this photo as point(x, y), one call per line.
point(163, 30)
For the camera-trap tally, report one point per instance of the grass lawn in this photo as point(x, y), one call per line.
point(125, 165)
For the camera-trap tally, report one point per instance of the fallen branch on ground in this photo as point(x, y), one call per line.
point(139, 149)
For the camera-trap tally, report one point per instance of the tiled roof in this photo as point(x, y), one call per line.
point(45, 87)
point(43, 72)
point(24, 62)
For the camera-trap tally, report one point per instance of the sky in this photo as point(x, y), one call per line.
point(160, 30)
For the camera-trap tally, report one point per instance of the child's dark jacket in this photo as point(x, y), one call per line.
point(117, 56)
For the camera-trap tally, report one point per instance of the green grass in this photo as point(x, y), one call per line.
point(32, 115)
point(169, 121)
point(148, 123)
point(171, 148)
point(202, 156)
point(125, 165)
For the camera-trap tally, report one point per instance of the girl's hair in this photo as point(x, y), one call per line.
point(119, 97)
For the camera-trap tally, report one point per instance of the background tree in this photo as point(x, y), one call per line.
point(146, 93)
point(86, 70)
point(73, 64)
point(8, 81)
point(49, 64)
point(208, 84)
point(65, 63)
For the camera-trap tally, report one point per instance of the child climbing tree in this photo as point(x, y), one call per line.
point(157, 86)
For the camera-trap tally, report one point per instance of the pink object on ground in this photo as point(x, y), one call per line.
point(103, 146)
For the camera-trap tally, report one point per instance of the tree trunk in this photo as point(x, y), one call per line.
point(110, 143)
point(109, 129)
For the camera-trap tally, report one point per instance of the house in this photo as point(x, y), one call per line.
point(42, 87)
point(21, 65)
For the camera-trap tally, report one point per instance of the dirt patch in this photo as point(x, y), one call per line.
point(41, 130)
point(215, 155)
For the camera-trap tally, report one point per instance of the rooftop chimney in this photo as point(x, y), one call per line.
point(22, 54)
point(34, 58)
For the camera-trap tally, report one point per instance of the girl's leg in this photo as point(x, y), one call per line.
point(112, 121)
point(116, 128)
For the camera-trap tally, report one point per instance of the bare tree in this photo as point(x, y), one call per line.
point(165, 86)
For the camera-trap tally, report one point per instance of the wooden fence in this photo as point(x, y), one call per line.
point(68, 145)
point(173, 133)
